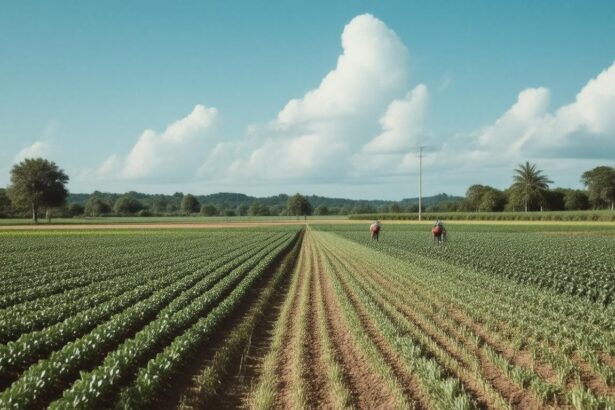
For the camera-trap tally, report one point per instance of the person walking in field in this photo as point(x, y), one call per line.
point(439, 232)
point(374, 228)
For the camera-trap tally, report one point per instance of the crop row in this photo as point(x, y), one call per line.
point(29, 316)
point(16, 356)
point(581, 266)
point(438, 303)
point(42, 381)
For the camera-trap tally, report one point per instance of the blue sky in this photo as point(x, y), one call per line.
point(263, 97)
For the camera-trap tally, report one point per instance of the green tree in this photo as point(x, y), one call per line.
point(189, 205)
point(474, 196)
point(492, 200)
point(6, 208)
point(37, 183)
point(298, 205)
point(258, 209)
point(575, 199)
point(96, 207)
point(242, 210)
point(209, 210)
point(159, 205)
point(395, 208)
point(530, 184)
point(75, 209)
point(553, 200)
point(600, 183)
point(321, 210)
point(127, 205)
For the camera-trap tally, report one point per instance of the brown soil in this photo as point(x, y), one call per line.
point(313, 345)
point(366, 389)
point(290, 342)
point(186, 380)
point(407, 380)
point(608, 359)
point(511, 392)
point(591, 379)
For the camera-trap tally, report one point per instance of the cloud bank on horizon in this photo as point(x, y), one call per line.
point(363, 123)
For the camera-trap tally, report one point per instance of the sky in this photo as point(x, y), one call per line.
point(321, 97)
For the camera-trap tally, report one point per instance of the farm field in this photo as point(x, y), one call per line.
point(309, 316)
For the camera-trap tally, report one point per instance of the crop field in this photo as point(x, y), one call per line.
point(309, 316)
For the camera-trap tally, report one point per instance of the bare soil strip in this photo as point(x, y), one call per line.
point(187, 380)
point(366, 389)
point(510, 391)
point(591, 379)
point(291, 345)
point(319, 391)
point(408, 380)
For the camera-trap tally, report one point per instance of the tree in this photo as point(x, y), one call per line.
point(575, 199)
point(209, 210)
point(530, 184)
point(37, 183)
point(159, 205)
point(492, 200)
point(395, 208)
point(6, 207)
point(96, 207)
point(321, 210)
point(75, 209)
point(242, 210)
point(189, 205)
point(258, 209)
point(298, 205)
point(127, 205)
point(474, 196)
point(554, 200)
point(600, 183)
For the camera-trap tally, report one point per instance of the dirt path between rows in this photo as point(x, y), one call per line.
point(367, 390)
point(290, 342)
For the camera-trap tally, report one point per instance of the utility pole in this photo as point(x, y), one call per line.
point(420, 181)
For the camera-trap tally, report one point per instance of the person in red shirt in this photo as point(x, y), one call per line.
point(439, 232)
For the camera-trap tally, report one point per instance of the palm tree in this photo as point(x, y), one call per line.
point(530, 183)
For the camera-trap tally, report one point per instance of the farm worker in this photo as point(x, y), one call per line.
point(438, 231)
point(374, 228)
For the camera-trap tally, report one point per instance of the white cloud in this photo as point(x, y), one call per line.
point(361, 125)
point(39, 149)
point(584, 128)
point(110, 166)
point(315, 137)
point(176, 151)
point(513, 126)
point(402, 124)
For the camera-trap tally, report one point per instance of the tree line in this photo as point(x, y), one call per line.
point(530, 192)
point(39, 185)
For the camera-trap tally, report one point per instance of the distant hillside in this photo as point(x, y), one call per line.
point(168, 204)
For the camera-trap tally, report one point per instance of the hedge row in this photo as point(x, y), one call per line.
point(603, 215)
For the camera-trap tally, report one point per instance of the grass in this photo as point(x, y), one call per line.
point(569, 216)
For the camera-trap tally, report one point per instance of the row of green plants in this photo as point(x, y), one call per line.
point(37, 274)
point(429, 289)
point(443, 392)
point(577, 265)
point(104, 295)
point(180, 324)
point(46, 379)
point(210, 381)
